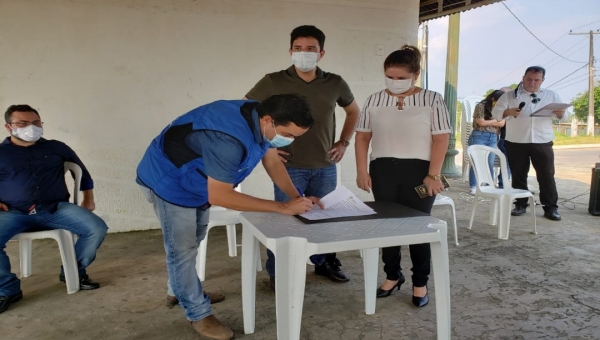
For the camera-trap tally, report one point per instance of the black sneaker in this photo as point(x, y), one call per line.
point(519, 210)
point(6, 301)
point(85, 283)
point(331, 269)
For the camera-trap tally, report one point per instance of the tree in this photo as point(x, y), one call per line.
point(580, 104)
point(512, 86)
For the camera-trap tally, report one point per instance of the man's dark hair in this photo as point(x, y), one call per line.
point(286, 109)
point(408, 57)
point(308, 31)
point(536, 69)
point(20, 108)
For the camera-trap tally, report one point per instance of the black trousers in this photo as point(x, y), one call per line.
point(395, 180)
point(541, 156)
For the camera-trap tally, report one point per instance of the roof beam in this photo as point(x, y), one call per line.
point(467, 5)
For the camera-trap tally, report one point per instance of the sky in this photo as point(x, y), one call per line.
point(495, 49)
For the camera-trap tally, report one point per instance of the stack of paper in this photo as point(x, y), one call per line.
point(339, 203)
point(548, 110)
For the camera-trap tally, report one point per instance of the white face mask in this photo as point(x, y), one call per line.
point(398, 86)
point(305, 61)
point(29, 133)
point(278, 140)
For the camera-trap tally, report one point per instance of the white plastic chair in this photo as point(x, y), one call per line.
point(64, 238)
point(445, 200)
point(501, 199)
point(497, 170)
point(219, 216)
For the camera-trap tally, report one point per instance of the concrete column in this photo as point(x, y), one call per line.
point(574, 127)
point(449, 167)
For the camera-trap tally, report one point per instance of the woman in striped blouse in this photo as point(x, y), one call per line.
point(408, 128)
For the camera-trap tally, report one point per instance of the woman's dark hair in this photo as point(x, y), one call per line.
point(407, 56)
point(20, 108)
point(487, 103)
point(286, 109)
point(308, 31)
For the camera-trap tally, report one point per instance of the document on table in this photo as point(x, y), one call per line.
point(339, 203)
point(546, 111)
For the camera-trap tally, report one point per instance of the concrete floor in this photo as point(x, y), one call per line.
point(544, 286)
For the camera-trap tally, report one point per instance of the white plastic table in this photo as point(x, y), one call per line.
point(293, 242)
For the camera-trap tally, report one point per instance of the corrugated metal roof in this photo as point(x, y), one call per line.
point(432, 9)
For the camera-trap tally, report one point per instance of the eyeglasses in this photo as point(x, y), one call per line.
point(534, 98)
point(23, 123)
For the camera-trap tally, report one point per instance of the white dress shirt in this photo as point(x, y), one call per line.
point(524, 128)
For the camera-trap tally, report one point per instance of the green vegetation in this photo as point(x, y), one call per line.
point(562, 139)
point(580, 104)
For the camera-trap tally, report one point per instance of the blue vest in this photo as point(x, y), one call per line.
point(176, 173)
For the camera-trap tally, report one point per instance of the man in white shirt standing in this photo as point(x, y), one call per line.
point(530, 138)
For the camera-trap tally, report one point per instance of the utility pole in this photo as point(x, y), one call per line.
point(590, 122)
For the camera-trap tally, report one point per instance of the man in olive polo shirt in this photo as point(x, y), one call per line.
point(311, 159)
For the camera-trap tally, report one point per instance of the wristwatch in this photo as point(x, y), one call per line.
point(435, 177)
point(345, 142)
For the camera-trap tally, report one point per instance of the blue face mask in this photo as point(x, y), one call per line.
point(278, 141)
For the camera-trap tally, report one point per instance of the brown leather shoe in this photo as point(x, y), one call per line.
point(211, 328)
point(215, 297)
point(171, 301)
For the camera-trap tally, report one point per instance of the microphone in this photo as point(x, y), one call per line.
point(522, 105)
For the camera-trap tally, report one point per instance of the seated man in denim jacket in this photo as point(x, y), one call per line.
point(34, 196)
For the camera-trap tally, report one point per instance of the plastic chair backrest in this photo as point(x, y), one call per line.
point(479, 161)
point(76, 173)
point(469, 107)
point(466, 121)
point(465, 138)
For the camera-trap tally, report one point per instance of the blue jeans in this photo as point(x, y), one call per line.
point(183, 230)
point(486, 138)
point(503, 149)
point(313, 182)
point(90, 229)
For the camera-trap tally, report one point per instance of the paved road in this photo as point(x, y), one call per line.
point(589, 156)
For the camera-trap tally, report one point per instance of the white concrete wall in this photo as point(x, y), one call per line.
point(108, 75)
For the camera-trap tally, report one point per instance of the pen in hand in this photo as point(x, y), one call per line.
point(299, 191)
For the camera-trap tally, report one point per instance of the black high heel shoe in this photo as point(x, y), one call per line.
point(421, 301)
point(386, 293)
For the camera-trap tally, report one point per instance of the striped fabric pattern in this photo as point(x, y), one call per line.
point(440, 119)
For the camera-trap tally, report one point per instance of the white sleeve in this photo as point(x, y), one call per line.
point(501, 105)
point(364, 119)
point(440, 118)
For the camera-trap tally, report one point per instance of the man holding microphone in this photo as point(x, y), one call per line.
point(529, 138)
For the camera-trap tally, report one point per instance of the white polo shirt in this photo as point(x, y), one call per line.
point(403, 134)
point(524, 128)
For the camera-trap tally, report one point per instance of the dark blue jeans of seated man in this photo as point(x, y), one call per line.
point(313, 182)
point(90, 229)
